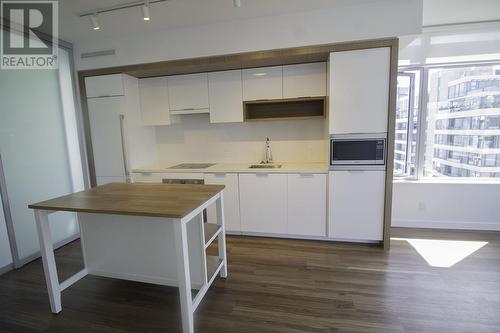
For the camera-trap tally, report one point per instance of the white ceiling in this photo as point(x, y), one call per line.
point(173, 14)
point(184, 13)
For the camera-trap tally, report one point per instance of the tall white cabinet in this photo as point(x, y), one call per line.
point(359, 103)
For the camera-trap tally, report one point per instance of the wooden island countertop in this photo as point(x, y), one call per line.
point(140, 199)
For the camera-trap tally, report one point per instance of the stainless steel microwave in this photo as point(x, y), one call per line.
point(365, 151)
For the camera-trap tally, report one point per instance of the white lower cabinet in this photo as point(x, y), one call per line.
point(356, 201)
point(263, 203)
point(231, 200)
point(307, 204)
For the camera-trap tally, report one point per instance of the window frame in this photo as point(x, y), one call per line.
point(422, 111)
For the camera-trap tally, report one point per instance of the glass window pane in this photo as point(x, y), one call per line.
point(405, 144)
point(463, 119)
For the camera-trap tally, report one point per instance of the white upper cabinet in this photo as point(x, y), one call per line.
point(188, 93)
point(359, 91)
point(307, 204)
point(225, 93)
point(154, 101)
point(263, 83)
point(104, 86)
point(304, 80)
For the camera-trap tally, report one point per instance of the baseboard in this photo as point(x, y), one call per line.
point(37, 255)
point(6, 268)
point(455, 225)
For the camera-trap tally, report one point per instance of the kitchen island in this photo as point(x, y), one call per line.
point(152, 233)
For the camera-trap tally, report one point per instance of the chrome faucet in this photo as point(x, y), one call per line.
point(268, 158)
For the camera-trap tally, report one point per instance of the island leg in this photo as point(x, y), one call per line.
point(221, 241)
point(49, 262)
point(183, 276)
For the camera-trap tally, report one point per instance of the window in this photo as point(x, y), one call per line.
point(463, 112)
point(460, 128)
point(407, 105)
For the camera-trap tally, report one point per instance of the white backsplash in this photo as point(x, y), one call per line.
point(194, 139)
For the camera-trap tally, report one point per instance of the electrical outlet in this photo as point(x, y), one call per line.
point(421, 206)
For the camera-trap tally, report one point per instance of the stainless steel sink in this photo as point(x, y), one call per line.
point(265, 166)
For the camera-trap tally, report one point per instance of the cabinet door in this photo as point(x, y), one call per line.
point(231, 200)
point(262, 83)
point(356, 205)
point(359, 91)
point(105, 132)
point(154, 101)
point(226, 99)
point(188, 92)
point(263, 203)
point(307, 204)
point(304, 80)
point(104, 86)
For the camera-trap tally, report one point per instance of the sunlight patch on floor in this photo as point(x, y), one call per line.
point(443, 253)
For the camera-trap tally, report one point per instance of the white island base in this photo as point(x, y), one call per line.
point(158, 250)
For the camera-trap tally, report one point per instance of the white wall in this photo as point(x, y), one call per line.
point(5, 254)
point(446, 205)
point(377, 19)
point(194, 139)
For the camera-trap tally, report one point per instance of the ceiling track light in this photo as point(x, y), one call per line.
point(145, 11)
point(94, 22)
point(144, 4)
point(237, 3)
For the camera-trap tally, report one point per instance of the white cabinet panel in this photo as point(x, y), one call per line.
point(154, 101)
point(104, 114)
point(226, 99)
point(231, 200)
point(188, 92)
point(307, 204)
point(359, 91)
point(104, 85)
point(356, 205)
point(146, 177)
point(304, 80)
point(262, 83)
point(263, 203)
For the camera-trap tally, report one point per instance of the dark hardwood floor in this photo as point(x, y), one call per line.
point(279, 285)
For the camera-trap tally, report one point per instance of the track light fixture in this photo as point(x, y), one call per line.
point(145, 11)
point(237, 3)
point(144, 4)
point(95, 23)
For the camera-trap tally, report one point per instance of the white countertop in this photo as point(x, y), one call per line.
point(239, 168)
